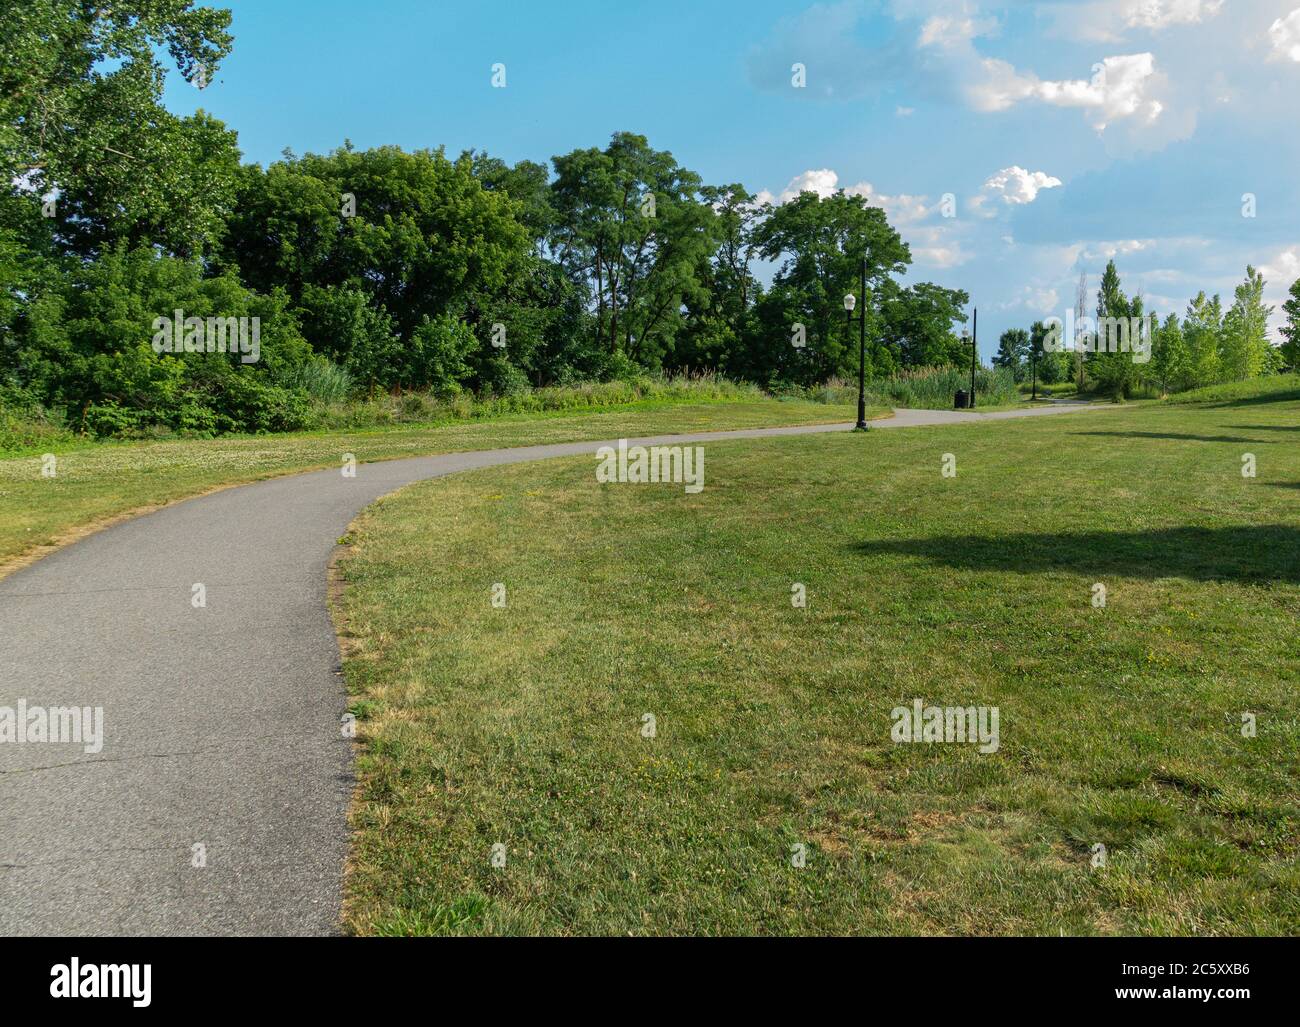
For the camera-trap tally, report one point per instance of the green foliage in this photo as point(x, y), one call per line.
point(933, 388)
point(1291, 329)
point(1170, 357)
point(1013, 351)
point(822, 245)
point(1202, 327)
point(87, 345)
point(80, 111)
point(633, 231)
point(1244, 348)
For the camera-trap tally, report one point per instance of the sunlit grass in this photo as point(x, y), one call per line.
point(1120, 726)
point(96, 482)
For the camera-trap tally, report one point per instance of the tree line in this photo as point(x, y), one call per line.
point(1206, 346)
point(383, 269)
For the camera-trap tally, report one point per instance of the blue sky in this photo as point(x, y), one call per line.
point(1064, 131)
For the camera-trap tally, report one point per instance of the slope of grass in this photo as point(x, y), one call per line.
point(1253, 390)
point(97, 482)
point(1120, 726)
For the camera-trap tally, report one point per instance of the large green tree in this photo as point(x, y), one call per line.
point(1291, 328)
point(916, 323)
point(823, 245)
point(632, 227)
point(1013, 350)
point(416, 234)
point(1202, 331)
point(1244, 347)
point(81, 118)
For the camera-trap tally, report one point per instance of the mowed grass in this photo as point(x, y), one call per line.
point(96, 483)
point(1119, 726)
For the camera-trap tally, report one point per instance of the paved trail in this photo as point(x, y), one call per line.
point(221, 724)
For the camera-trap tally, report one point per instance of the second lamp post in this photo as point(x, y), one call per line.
point(850, 301)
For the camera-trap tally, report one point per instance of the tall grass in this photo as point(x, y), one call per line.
point(933, 388)
point(322, 380)
point(25, 425)
point(425, 407)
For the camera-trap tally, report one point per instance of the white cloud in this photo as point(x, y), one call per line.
point(1096, 252)
point(1120, 87)
point(1110, 20)
point(1036, 299)
point(1015, 186)
point(951, 31)
point(1285, 34)
point(901, 209)
point(1160, 14)
point(1284, 269)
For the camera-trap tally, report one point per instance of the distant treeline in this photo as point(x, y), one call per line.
point(1207, 346)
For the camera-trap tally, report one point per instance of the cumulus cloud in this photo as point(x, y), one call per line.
point(1284, 269)
point(933, 245)
point(1121, 87)
point(1015, 186)
point(1285, 36)
point(1160, 14)
point(1096, 252)
point(901, 209)
point(1037, 299)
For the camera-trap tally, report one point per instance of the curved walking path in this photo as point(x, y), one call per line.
point(221, 735)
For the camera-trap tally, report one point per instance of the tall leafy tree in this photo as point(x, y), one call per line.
point(632, 227)
point(1291, 328)
point(80, 114)
point(1170, 359)
point(1013, 349)
point(1111, 366)
point(1202, 329)
point(916, 323)
point(822, 245)
point(1244, 346)
point(415, 233)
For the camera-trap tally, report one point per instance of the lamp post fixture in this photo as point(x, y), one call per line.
point(974, 352)
point(850, 301)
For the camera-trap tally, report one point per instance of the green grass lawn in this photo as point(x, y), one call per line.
point(1120, 726)
point(95, 483)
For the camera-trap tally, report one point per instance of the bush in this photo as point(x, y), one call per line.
point(87, 345)
point(25, 424)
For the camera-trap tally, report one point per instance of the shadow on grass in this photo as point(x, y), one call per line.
point(1265, 427)
point(1254, 554)
point(1173, 435)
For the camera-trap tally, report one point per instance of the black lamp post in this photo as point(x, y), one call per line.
point(974, 353)
point(850, 301)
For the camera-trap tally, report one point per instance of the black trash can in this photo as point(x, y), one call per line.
point(962, 399)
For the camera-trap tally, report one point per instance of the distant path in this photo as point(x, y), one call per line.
point(222, 724)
